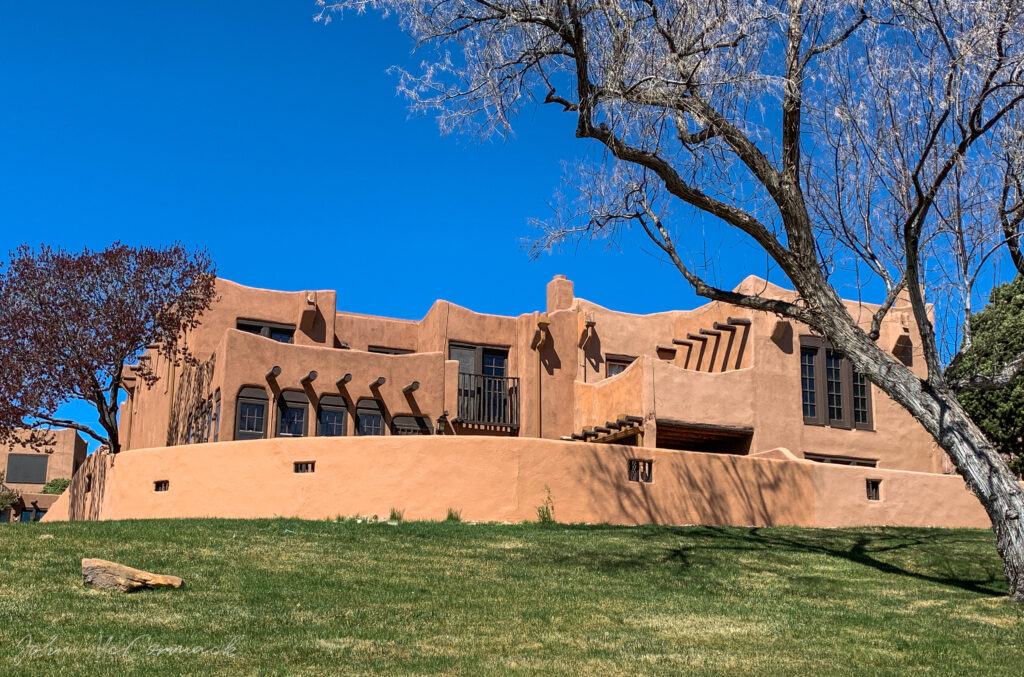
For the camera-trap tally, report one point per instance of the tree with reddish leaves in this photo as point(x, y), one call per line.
point(72, 322)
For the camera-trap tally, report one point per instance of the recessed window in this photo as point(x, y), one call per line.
point(841, 460)
point(161, 485)
point(305, 466)
point(874, 488)
point(331, 416)
point(384, 350)
point(27, 468)
point(216, 417)
point(411, 425)
point(283, 333)
point(640, 471)
point(32, 514)
point(831, 392)
point(88, 483)
point(291, 414)
point(369, 417)
point(616, 364)
point(251, 416)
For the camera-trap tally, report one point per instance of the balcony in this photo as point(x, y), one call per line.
point(488, 400)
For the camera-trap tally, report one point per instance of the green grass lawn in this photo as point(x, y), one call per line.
point(323, 598)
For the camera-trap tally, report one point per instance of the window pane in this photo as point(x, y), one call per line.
point(860, 398)
point(807, 384)
point(292, 420)
point(834, 383)
point(282, 335)
point(371, 424)
point(494, 364)
point(250, 420)
point(332, 423)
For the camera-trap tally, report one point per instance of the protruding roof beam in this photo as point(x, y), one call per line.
point(740, 321)
point(379, 382)
point(343, 380)
point(274, 372)
point(415, 385)
point(723, 327)
point(309, 378)
point(681, 342)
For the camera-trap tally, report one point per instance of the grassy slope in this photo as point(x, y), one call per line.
point(346, 598)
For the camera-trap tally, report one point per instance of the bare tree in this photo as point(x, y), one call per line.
point(830, 133)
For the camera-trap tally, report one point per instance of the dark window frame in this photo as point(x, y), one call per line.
point(410, 424)
point(822, 416)
point(266, 329)
point(161, 485)
point(332, 404)
point(291, 400)
point(254, 396)
point(619, 361)
point(370, 407)
point(479, 352)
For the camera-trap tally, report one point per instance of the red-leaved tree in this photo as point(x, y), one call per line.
point(73, 321)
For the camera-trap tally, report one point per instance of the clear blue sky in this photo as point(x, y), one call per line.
point(281, 146)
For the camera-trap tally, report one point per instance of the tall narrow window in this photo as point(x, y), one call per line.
point(251, 414)
point(807, 382)
point(333, 413)
point(369, 417)
point(216, 416)
point(834, 384)
point(862, 417)
point(291, 414)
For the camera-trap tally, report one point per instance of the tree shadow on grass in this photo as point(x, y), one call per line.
point(935, 554)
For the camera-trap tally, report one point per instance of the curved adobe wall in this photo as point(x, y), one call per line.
point(502, 479)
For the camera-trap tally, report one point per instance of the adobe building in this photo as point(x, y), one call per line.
point(27, 471)
point(715, 379)
point(716, 415)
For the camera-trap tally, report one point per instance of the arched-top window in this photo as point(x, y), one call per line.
point(369, 417)
point(331, 416)
point(251, 414)
point(292, 408)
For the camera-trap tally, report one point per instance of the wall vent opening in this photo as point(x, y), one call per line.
point(305, 466)
point(874, 488)
point(161, 485)
point(640, 471)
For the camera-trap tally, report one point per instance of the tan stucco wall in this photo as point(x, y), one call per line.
point(502, 479)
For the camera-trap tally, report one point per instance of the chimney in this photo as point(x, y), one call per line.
point(560, 295)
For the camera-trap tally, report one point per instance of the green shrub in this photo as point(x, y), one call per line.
point(56, 486)
point(546, 510)
point(396, 515)
point(453, 515)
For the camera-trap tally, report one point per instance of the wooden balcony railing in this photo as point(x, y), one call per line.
point(489, 400)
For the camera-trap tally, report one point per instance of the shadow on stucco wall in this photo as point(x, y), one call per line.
point(88, 487)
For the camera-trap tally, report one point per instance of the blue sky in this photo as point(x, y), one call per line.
point(281, 146)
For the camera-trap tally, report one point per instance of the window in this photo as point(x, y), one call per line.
point(369, 419)
point(479, 359)
point(874, 488)
point(640, 471)
point(27, 468)
point(831, 392)
point(162, 485)
point(251, 417)
point(5, 515)
point(216, 417)
point(841, 460)
point(303, 467)
point(284, 333)
point(32, 515)
point(291, 414)
point(331, 416)
point(410, 425)
point(384, 350)
point(616, 364)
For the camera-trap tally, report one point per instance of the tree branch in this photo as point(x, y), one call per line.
point(994, 382)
